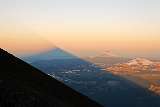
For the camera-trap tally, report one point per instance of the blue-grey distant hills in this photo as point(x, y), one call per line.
point(92, 81)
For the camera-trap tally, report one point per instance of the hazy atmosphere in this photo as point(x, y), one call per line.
point(126, 27)
point(79, 53)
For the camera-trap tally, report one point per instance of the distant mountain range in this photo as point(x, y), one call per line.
point(95, 82)
point(22, 85)
point(107, 59)
point(136, 65)
point(140, 61)
point(140, 70)
point(108, 54)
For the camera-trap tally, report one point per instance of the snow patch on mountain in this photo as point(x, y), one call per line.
point(140, 61)
point(108, 53)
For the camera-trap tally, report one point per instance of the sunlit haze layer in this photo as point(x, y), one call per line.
point(84, 27)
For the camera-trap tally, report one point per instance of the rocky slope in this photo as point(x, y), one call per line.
point(22, 85)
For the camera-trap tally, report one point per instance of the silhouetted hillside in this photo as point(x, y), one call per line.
point(22, 85)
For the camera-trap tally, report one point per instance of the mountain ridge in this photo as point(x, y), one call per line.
point(24, 85)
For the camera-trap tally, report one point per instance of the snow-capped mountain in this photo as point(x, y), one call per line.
point(142, 71)
point(107, 54)
point(135, 65)
point(107, 58)
point(140, 61)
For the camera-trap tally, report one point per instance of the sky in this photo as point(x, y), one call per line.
point(84, 27)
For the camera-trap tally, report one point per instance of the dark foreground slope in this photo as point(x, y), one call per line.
point(22, 85)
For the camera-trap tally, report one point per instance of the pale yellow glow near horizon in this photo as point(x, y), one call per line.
point(99, 37)
point(128, 27)
point(79, 39)
point(24, 43)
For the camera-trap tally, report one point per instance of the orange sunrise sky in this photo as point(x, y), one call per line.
point(129, 28)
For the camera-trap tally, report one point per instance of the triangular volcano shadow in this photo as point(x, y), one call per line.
point(55, 53)
point(107, 89)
